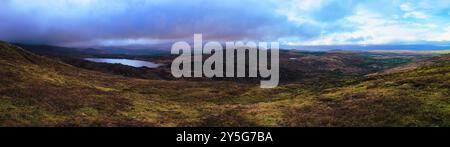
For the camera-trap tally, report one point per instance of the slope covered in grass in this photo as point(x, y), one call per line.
point(415, 97)
point(38, 91)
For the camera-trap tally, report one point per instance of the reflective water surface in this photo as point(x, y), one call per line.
point(133, 63)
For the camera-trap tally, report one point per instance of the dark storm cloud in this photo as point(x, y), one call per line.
point(72, 22)
point(295, 22)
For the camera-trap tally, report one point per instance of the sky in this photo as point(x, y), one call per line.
point(290, 22)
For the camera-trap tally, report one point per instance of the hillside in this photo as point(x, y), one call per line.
point(39, 91)
point(415, 97)
point(314, 68)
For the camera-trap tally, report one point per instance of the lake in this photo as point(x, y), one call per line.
point(133, 63)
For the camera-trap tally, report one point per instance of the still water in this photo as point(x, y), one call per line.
point(133, 63)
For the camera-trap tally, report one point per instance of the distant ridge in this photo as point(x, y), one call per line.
point(374, 47)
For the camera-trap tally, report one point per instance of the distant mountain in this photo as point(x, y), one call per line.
point(374, 47)
point(67, 51)
point(142, 51)
point(59, 51)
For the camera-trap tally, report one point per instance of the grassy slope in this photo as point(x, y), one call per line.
point(36, 91)
point(416, 97)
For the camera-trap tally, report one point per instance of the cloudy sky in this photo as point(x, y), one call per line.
point(291, 22)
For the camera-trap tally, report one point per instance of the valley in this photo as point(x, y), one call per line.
point(317, 89)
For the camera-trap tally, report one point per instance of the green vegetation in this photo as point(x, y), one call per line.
point(38, 91)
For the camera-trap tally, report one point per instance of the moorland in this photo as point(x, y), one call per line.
point(54, 86)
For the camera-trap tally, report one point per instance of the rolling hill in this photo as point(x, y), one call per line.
point(40, 91)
